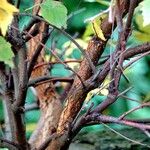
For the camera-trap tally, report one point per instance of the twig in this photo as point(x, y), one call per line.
point(56, 62)
point(128, 98)
point(9, 144)
point(33, 32)
point(131, 140)
point(136, 59)
point(67, 35)
point(17, 3)
point(134, 109)
point(33, 20)
point(139, 49)
point(124, 92)
point(95, 118)
point(34, 58)
point(31, 107)
point(37, 52)
point(83, 116)
point(45, 79)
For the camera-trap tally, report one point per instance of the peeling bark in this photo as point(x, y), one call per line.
point(49, 101)
point(77, 94)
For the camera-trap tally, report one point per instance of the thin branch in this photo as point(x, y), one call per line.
point(131, 140)
point(67, 35)
point(134, 109)
point(56, 62)
point(17, 3)
point(125, 91)
point(139, 49)
point(127, 54)
point(97, 118)
point(136, 59)
point(9, 144)
point(38, 50)
point(33, 32)
point(132, 7)
point(131, 99)
point(45, 79)
point(83, 116)
point(31, 107)
point(33, 20)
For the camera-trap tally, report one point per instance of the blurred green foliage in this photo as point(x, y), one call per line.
point(138, 73)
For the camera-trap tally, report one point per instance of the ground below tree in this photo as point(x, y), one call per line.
point(107, 140)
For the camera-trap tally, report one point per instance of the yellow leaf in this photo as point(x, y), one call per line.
point(70, 46)
point(97, 28)
point(6, 15)
point(103, 90)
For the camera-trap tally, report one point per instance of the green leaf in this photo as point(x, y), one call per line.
point(88, 31)
point(146, 11)
point(6, 53)
point(55, 13)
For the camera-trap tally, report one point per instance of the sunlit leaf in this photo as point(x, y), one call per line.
point(70, 46)
point(103, 90)
point(90, 1)
point(143, 37)
point(103, 2)
point(6, 15)
point(31, 127)
point(88, 31)
point(6, 53)
point(55, 13)
point(97, 28)
point(146, 11)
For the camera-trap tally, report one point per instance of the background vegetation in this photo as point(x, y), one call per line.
point(137, 76)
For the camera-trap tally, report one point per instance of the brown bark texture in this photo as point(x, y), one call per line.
point(78, 92)
point(49, 101)
point(52, 116)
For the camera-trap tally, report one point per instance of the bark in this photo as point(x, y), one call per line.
point(77, 93)
point(49, 101)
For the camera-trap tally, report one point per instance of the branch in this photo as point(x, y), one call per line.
point(134, 109)
point(31, 107)
point(6, 103)
point(22, 74)
point(9, 144)
point(44, 79)
point(96, 118)
point(33, 20)
point(66, 34)
point(33, 32)
point(38, 50)
point(44, 145)
point(56, 62)
point(131, 52)
point(53, 53)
